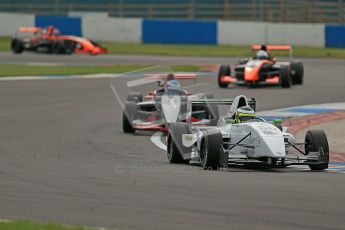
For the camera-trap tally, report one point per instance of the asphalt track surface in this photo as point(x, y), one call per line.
point(113, 59)
point(64, 158)
point(51, 59)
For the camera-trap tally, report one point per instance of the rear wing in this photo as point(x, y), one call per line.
point(27, 32)
point(274, 47)
point(149, 78)
point(29, 29)
point(221, 101)
point(179, 76)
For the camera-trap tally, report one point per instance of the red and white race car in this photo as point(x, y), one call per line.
point(49, 40)
point(159, 108)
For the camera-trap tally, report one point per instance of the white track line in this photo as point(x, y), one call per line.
point(5, 221)
point(87, 76)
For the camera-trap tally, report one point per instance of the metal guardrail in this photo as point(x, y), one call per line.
point(257, 10)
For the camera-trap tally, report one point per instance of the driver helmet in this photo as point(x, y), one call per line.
point(173, 87)
point(50, 30)
point(262, 54)
point(56, 32)
point(170, 77)
point(244, 114)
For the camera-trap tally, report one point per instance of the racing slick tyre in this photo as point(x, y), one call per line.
point(59, 47)
point(175, 147)
point(128, 117)
point(224, 70)
point(314, 140)
point(63, 47)
point(285, 77)
point(210, 149)
point(135, 96)
point(297, 72)
point(17, 46)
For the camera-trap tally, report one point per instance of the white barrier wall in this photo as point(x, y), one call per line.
point(99, 26)
point(9, 22)
point(296, 34)
point(112, 29)
point(246, 33)
point(241, 33)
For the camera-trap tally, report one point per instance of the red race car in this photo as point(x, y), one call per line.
point(159, 108)
point(49, 40)
point(263, 69)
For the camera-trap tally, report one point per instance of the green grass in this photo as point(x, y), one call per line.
point(19, 70)
point(213, 50)
point(28, 225)
point(5, 44)
point(200, 50)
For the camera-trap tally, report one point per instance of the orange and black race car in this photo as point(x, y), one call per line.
point(263, 69)
point(49, 40)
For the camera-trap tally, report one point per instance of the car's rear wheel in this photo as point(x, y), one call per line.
point(63, 47)
point(210, 150)
point(128, 116)
point(224, 70)
point(297, 72)
point(314, 141)
point(175, 147)
point(285, 77)
point(59, 47)
point(17, 46)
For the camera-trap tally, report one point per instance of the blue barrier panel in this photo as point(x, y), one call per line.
point(335, 36)
point(179, 31)
point(66, 25)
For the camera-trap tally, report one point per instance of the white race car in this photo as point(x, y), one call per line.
point(254, 141)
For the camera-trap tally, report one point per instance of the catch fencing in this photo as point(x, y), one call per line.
point(307, 11)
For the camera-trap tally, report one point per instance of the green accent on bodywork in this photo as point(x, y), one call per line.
point(239, 115)
point(277, 121)
point(230, 121)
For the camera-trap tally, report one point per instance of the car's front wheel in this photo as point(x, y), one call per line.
point(17, 46)
point(315, 140)
point(210, 150)
point(128, 116)
point(175, 147)
point(297, 72)
point(224, 70)
point(285, 77)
